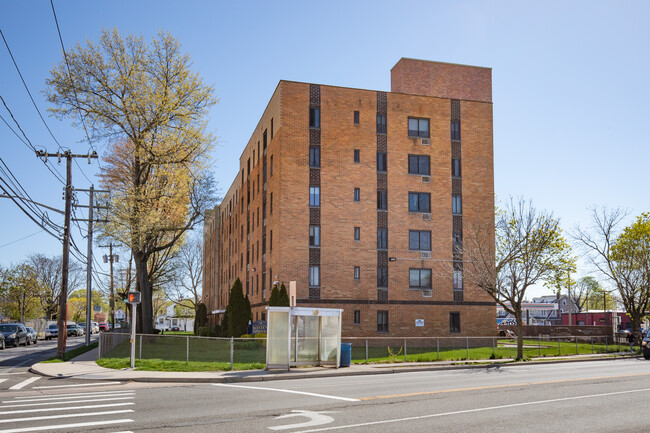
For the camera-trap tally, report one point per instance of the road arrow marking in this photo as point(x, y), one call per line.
point(315, 418)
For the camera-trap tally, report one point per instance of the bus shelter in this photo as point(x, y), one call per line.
point(303, 336)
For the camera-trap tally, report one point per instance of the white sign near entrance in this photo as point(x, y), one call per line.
point(419, 322)
point(119, 315)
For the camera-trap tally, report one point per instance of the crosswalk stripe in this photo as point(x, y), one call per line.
point(77, 385)
point(66, 426)
point(68, 396)
point(25, 382)
point(64, 402)
point(52, 409)
point(69, 415)
point(77, 394)
point(2, 380)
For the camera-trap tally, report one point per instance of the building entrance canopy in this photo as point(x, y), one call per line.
point(303, 336)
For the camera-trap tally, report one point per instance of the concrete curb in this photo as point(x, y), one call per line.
point(257, 376)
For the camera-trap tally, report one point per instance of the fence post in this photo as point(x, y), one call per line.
point(140, 351)
point(494, 349)
point(100, 345)
point(559, 346)
point(438, 348)
point(187, 350)
point(366, 350)
point(576, 344)
point(232, 353)
point(606, 340)
point(405, 350)
point(539, 345)
point(592, 345)
point(467, 344)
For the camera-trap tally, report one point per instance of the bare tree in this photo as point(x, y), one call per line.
point(186, 289)
point(48, 273)
point(581, 291)
point(622, 256)
point(525, 247)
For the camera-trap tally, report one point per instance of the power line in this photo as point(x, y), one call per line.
point(21, 239)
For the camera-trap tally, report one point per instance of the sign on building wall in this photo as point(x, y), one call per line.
point(419, 322)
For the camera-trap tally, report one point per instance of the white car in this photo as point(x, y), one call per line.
point(95, 328)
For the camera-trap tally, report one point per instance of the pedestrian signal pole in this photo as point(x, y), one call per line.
point(133, 298)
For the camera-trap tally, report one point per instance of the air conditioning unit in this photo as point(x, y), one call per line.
point(427, 293)
point(426, 216)
point(426, 254)
point(425, 141)
point(426, 179)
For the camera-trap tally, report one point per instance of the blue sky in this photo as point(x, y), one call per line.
point(570, 84)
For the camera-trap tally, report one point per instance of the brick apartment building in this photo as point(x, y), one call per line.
point(359, 196)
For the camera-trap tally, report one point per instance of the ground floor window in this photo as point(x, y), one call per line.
point(382, 321)
point(454, 322)
point(357, 317)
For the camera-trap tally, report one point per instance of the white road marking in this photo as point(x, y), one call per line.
point(69, 415)
point(68, 396)
point(316, 418)
point(64, 402)
point(290, 391)
point(66, 426)
point(52, 409)
point(482, 409)
point(18, 372)
point(77, 385)
point(2, 380)
point(25, 382)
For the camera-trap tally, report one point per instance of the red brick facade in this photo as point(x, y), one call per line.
point(261, 250)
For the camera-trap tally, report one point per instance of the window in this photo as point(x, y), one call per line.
point(357, 156)
point(271, 205)
point(314, 196)
point(454, 322)
point(382, 239)
point(381, 123)
point(357, 233)
point(356, 117)
point(314, 156)
point(357, 317)
point(458, 280)
point(455, 167)
point(254, 155)
point(418, 127)
point(314, 276)
point(382, 321)
point(314, 117)
point(248, 165)
point(455, 129)
point(314, 236)
point(382, 276)
point(420, 278)
point(456, 204)
point(381, 161)
point(271, 127)
point(271, 165)
point(357, 273)
point(382, 200)
point(357, 194)
point(419, 240)
point(458, 242)
point(271, 241)
point(264, 140)
point(419, 202)
point(264, 174)
point(419, 164)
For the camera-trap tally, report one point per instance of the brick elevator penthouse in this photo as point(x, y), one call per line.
point(360, 196)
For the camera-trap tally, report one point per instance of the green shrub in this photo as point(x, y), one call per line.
point(246, 336)
point(204, 331)
point(260, 335)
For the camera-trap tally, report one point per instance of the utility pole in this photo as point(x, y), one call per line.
point(62, 316)
point(110, 259)
point(89, 265)
point(570, 297)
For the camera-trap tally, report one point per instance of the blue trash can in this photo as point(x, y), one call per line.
point(346, 355)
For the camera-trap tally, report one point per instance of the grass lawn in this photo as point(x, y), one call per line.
point(178, 333)
point(163, 365)
point(69, 354)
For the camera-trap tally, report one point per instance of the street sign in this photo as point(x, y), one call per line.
point(133, 298)
point(97, 308)
point(119, 315)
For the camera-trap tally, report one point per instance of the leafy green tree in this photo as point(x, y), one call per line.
point(524, 247)
point(201, 319)
point(275, 300)
point(144, 100)
point(284, 296)
point(238, 311)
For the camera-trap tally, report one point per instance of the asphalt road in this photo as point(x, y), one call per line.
point(596, 396)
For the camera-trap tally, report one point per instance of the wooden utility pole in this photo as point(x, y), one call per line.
point(62, 317)
point(110, 259)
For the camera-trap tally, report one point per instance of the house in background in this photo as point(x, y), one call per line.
point(175, 316)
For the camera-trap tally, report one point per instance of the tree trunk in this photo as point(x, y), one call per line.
point(520, 334)
point(145, 308)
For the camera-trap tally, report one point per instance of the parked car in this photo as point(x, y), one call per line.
point(52, 331)
point(74, 330)
point(645, 346)
point(103, 327)
point(14, 333)
point(33, 335)
point(95, 328)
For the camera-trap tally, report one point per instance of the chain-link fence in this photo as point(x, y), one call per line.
point(185, 348)
point(428, 349)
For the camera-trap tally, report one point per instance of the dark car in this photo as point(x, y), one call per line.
point(2, 341)
point(74, 330)
point(52, 331)
point(14, 333)
point(645, 346)
point(33, 335)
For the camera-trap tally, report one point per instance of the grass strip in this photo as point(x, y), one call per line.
point(70, 354)
point(180, 366)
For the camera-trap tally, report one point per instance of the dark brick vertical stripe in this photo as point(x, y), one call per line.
point(457, 188)
point(315, 180)
point(314, 95)
point(381, 143)
point(382, 103)
point(314, 177)
point(455, 109)
point(382, 185)
point(314, 137)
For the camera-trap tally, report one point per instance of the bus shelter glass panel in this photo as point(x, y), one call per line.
point(278, 330)
point(304, 339)
point(329, 338)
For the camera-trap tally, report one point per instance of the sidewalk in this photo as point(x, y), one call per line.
point(84, 367)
